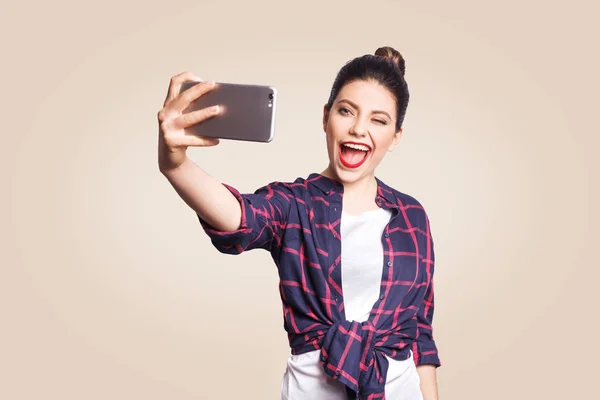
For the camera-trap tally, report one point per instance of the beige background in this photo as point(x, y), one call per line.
point(109, 288)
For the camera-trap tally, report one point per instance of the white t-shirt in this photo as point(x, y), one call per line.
point(362, 264)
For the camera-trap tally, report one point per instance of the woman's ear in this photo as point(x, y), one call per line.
point(325, 117)
point(395, 140)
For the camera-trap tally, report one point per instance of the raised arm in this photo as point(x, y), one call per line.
point(235, 222)
point(211, 200)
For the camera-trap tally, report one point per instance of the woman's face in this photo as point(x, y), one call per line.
point(360, 129)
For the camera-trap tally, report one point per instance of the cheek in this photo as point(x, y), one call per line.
point(339, 124)
point(382, 146)
point(332, 131)
point(379, 154)
point(383, 141)
point(329, 139)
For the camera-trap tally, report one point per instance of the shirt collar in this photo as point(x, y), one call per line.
point(385, 194)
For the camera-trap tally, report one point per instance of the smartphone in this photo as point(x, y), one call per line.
point(247, 112)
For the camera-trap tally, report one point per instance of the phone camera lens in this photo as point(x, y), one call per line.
point(270, 96)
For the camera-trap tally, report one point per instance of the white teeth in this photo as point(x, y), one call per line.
point(356, 146)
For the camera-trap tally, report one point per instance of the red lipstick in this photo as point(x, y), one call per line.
point(357, 164)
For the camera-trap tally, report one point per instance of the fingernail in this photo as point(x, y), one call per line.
point(198, 79)
point(215, 109)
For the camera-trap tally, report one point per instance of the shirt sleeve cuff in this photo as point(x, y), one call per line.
point(427, 356)
point(225, 241)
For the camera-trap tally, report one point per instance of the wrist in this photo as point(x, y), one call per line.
point(168, 165)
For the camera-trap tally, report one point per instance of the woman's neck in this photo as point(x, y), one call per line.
point(359, 196)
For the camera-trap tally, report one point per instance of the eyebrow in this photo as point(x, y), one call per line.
point(356, 106)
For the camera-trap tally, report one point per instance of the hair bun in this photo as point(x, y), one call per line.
point(392, 55)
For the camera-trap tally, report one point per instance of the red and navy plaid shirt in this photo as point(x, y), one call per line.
point(299, 224)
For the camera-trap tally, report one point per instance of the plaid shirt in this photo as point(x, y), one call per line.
point(299, 224)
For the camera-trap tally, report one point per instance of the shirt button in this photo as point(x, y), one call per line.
point(337, 373)
point(337, 298)
point(387, 235)
point(381, 297)
point(323, 358)
point(389, 264)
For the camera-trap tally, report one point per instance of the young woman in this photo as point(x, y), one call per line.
point(355, 256)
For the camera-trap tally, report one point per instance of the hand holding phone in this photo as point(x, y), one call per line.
point(173, 138)
point(246, 112)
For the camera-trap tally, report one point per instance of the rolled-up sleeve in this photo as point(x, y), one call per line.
point(425, 348)
point(264, 215)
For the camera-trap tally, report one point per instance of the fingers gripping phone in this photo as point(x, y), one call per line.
point(247, 112)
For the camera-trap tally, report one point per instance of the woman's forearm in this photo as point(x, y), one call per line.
point(428, 377)
point(212, 201)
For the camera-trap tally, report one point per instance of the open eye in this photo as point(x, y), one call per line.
point(344, 111)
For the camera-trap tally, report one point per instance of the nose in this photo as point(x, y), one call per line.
point(359, 128)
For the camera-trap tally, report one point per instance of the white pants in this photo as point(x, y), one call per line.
point(304, 379)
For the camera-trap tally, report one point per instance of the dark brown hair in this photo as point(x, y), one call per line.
point(387, 67)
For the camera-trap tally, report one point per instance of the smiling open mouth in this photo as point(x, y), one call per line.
point(353, 155)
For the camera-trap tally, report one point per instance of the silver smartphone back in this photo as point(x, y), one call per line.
point(247, 112)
